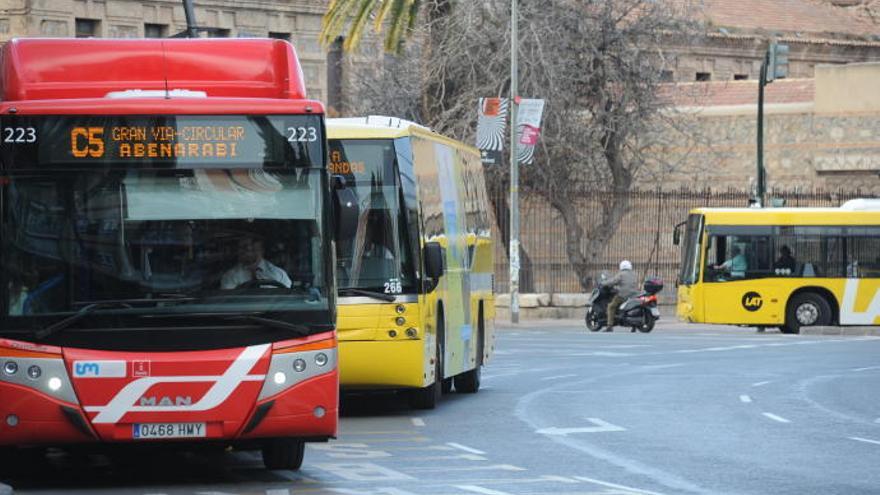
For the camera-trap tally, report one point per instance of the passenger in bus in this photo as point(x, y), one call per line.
point(736, 265)
point(785, 264)
point(252, 266)
point(374, 247)
point(18, 293)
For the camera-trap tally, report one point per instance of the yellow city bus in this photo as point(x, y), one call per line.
point(415, 276)
point(785, 267)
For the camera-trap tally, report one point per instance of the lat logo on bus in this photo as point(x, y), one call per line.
point(752, 301)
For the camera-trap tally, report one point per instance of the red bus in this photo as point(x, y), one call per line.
point(165, 256)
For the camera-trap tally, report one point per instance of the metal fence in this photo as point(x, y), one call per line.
point(643, 237)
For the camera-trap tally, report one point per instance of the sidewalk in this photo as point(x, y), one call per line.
point(852, 331)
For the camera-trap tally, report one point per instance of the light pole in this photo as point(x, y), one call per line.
point(513, 255)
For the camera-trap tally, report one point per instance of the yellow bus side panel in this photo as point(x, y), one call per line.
point(764, 301)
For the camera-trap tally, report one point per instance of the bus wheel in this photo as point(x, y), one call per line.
point(469, 381)
point(805, 310)
point(283, 453)
point(446, 386)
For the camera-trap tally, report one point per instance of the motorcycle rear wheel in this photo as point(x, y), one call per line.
point(647, 326)
point(593, 322)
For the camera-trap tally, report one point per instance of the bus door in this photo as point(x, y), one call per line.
point(457, 308)
point(739, 284)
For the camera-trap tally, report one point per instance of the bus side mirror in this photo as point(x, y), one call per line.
point(345, 208)
point(676, 237)
point(435, 264)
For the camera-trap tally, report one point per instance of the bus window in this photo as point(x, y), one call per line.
point(737, 257)
point(863, 257)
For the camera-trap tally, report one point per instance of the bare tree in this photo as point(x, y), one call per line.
point(598, 65)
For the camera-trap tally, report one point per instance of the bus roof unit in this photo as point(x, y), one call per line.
point(44, 69)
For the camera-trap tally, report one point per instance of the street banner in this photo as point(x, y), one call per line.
point(528, 128)
point(491, 125)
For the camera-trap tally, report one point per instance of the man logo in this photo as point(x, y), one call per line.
point(165, 401)
point(752, 301)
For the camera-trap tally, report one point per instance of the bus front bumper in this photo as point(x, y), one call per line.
point(382, 364)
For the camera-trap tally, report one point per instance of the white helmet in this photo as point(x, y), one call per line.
point(626, 265)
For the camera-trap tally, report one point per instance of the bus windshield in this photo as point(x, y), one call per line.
point(377, 255)
point(172, 235)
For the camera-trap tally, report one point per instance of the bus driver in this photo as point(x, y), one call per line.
point(252, 266)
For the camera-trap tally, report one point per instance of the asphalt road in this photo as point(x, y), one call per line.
point(683, 410)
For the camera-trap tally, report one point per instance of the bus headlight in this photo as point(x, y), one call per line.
point(54, 383)
point(400, 321)
point(400, 309)
point(299, 365)
point(10, 368)
point(321, 359)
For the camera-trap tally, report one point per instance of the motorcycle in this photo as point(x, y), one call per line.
point(639, 312)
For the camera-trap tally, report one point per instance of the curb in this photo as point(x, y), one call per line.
point(842, 331)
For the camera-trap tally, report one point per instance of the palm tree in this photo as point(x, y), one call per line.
point(401, 16)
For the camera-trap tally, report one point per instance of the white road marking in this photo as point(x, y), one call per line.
point(362, 471)
point(480, 489)
point(776, 418)
point(615, 485)
point(662, 366)
point(418, 421)
point(760, 384)
point(601, 354)
point(377, 491)
point(600, 426)
point(745, 398)
point(282, 491)
point(866, 440)
point(467, 457)
point(867, 368)
point(465, 448)
point(343, 450)
point(556, 377)
point(499, 467)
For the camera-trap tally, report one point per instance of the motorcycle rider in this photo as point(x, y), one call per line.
point(625, 284)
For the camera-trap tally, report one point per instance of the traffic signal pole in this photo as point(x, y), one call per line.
point(774, 66)
point(759, 186)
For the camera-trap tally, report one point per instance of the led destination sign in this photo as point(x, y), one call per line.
point(176, 141)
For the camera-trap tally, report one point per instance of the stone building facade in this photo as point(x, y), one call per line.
point(819, 133)
point(298, 21)
point(737, 34)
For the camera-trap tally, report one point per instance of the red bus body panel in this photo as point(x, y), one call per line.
point(51, 69)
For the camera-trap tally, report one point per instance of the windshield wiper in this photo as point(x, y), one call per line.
point(300, 330)
point(84, 311)
point(348, 291)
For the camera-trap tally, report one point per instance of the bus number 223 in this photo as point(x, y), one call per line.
point(19, 135)
point(302, 134)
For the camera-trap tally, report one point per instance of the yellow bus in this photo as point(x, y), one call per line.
point(785, 267)
point(415, 275)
